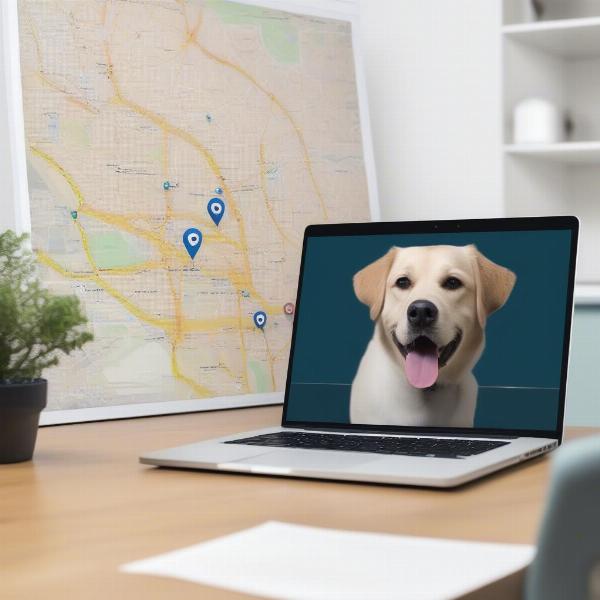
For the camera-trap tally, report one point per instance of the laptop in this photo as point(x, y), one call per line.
point(422, 353)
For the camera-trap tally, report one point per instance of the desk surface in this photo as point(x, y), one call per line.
point(85, 505)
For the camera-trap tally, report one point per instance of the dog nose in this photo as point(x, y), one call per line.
point(422, 313)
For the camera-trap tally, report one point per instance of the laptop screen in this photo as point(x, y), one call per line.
point(457, 327)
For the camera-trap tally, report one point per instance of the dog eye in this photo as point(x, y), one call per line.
point(403, 283)
point(452, 283)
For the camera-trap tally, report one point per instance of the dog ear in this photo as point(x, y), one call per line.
point(369, 283)
point(493, 285)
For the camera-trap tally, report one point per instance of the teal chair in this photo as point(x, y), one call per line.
point(567, 564)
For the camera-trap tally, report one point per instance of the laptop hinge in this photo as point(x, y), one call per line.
point(474, 434)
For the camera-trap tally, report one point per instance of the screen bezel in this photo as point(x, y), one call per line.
point(569, 223)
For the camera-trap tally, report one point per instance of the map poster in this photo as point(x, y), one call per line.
point(176, 150)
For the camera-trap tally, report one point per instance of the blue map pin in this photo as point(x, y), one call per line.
point(192, 239)
point(216, 209)
point(260, 319)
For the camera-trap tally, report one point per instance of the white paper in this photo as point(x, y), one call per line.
point(286, 561)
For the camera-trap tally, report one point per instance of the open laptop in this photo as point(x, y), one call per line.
point(424, 353)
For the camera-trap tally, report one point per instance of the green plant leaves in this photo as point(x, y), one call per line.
point(35, 325)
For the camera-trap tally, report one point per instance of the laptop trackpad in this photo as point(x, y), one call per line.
point(308, 460)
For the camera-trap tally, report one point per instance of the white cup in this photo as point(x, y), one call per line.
point(537, 121)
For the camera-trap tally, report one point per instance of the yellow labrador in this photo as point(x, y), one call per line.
point(430, 305)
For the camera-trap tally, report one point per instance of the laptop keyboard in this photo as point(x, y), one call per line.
point(408, 446)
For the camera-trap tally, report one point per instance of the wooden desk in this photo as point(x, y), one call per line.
point(85, 505)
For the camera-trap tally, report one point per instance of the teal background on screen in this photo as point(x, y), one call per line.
point(524, 338)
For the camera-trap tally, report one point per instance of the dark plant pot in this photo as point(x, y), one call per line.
point(20, 407)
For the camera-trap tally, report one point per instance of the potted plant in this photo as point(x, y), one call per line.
point(35, 327)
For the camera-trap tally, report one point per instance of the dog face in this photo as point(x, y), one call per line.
point(433, 302)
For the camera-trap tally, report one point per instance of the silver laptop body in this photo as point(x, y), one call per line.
point(375, 393)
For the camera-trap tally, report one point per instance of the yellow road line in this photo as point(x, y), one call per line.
point(43, 77)
point(243, 347)
point(167, 325)
point(163, 324)
point(49, 262)
point(200, 390)
point(66, 176)
point(270, 358)
point(149, 265)
point(282, 108)
point(263, 187)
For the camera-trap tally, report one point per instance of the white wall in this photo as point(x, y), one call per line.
point(433, 77)
point(13, 177)
point(7, 216)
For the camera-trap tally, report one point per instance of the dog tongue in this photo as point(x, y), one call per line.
point(422, 365)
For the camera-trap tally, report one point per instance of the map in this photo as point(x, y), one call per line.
point(176, 152)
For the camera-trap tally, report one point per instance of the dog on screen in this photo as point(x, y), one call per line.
point(430, 305)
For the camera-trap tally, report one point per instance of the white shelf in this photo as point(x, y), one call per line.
point(557, 59)
point(587, 294)
point(566, 152)
point(568, 38)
